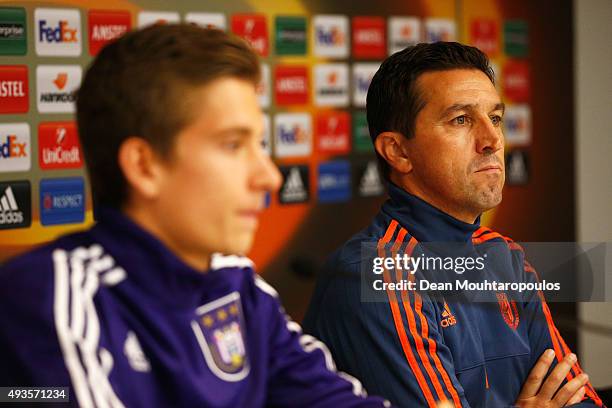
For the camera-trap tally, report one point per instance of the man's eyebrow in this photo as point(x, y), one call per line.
point(457, 107)
point(469, 106)
point(235, 131)
point(500, 106)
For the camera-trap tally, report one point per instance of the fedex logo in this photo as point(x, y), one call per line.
point(333, 132)
point(58, 146)
point(369, 37)
point(517, 124)
point(14, 147)
point(331, 36)
point(439, 29)
point(362, 76)
point(58, 32)
point(291, 85)
point(293, 135)
point(254, 29)
point(14, 89)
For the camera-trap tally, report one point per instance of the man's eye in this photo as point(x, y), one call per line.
point(232, 144)
point(460, 120)
point(496, 120)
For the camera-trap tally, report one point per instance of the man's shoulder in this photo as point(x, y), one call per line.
point(488, 235)
point(349, 255)
point(37, 264)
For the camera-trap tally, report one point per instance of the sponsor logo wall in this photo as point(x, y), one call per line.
point(316, 70)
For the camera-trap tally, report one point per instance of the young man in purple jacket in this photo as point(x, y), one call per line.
point(139, 310)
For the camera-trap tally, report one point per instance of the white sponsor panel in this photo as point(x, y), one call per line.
point(57, 32)
point(15, 147)
point(56, 87)
point(403, 32)
point(439, 29)
point(208, 20)
point(146, 18)
point(263, 88)
point(362, 76)
point(331, 36)
point(292, 134)
point(331, 85)
point(517, 124)
point(267, 142)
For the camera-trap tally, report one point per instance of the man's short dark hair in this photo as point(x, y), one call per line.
point(394, 100)
point(140, 85)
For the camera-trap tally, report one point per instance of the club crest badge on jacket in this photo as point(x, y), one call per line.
point(508, 310)
point(220, 330)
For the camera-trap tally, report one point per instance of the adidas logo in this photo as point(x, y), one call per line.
point(136, 357)
point(9, 211)
point(294, 191)
point(370, 184)
point(447, 317)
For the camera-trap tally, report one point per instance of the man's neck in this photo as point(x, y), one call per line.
point(462, 214)
point(146, 220)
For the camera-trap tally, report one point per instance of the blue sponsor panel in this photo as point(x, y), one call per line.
point(62, 201)
point(334, 182)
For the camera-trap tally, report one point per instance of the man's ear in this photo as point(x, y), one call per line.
point(391, 146)
point(141, 167)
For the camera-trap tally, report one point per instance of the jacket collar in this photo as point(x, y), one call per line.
point(424, 221)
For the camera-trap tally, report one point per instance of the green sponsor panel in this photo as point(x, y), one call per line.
point(516, 38)
point(13, 31)
point(290, 35)
point(361, 135)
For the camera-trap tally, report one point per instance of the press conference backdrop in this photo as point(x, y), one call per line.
point(317, 60)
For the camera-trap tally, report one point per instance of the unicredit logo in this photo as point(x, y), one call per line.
point(62, 33)
point(12, 148)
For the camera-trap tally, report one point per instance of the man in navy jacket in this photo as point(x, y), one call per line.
point(139, 311)
point(435, 119)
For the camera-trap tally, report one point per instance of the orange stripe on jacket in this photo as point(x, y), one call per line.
point(422, 353)
point(418, 341)
point(399, 324)
point(561, 349)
